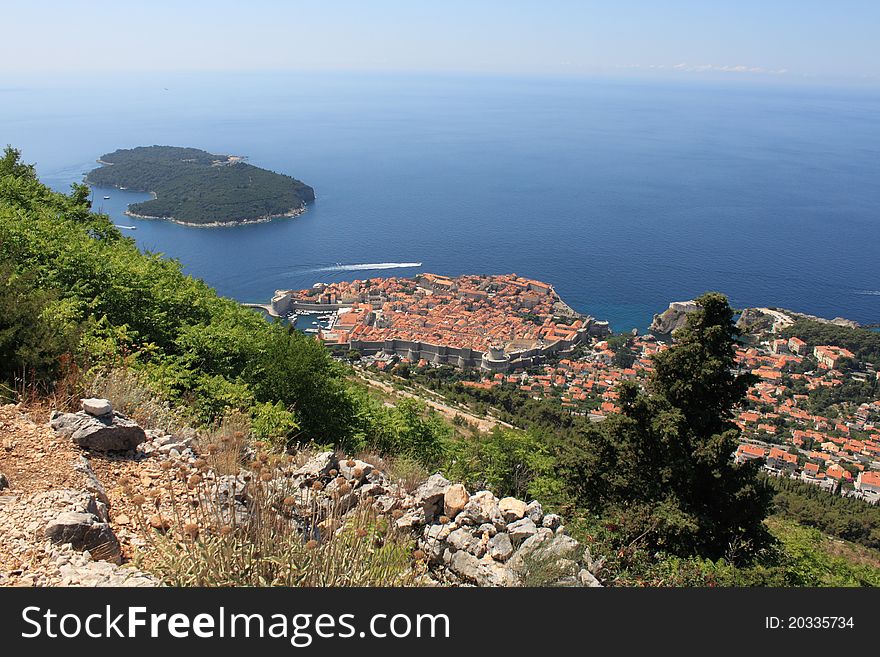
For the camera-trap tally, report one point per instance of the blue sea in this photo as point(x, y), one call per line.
point(625, 195)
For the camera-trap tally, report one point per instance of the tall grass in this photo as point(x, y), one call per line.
point(275, 535)
point(131, 394)
point(227, 445)
point(406, 472)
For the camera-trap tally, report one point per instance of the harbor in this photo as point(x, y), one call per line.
point(313, 322)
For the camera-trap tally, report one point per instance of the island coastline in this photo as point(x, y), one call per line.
point(227, 187)
point(294, 212)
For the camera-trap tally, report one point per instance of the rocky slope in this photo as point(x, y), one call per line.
point(54, 513)
point(67, 513)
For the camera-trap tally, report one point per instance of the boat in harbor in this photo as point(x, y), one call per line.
point(106, 198)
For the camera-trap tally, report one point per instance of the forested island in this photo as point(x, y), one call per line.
point(197, 188)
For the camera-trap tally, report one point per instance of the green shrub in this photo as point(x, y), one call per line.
point(274, 423)
point(36, 329)
point(197, 348)
point(507, 462)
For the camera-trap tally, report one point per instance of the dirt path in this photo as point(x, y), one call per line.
point(483, 423)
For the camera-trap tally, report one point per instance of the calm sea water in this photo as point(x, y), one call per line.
point(625, 196)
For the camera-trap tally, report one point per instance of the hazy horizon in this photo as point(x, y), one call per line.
point(777, 42)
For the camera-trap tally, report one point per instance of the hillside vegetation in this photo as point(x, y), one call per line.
point(864, 343)
point(196, 187)
point(81, 297)
point(653, 488)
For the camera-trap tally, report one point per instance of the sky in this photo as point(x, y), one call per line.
point(773, 39)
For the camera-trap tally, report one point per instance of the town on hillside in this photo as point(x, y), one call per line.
point(837, 449)
point(779, 425)
point(795, 421)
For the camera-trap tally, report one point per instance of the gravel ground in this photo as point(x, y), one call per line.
point(42, 483)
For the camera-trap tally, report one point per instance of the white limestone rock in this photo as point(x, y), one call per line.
point(512, 509)
point(96, 407)
point(500, 547)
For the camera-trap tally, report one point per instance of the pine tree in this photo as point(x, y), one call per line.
point(663, 468)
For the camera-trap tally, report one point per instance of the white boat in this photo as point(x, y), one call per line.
point(106, 198)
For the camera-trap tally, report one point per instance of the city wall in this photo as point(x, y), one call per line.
point(493, 360)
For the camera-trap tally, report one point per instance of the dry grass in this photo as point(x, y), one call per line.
point(277, 535)
point(226, 446)
point(406, 472)
point(854, 553)
point(131, 395)
point(69, 388)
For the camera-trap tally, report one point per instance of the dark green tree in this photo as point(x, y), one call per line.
point(663, 468)
point(11, 165)
point(32, 337)
point(624, 355)
point(298, 371)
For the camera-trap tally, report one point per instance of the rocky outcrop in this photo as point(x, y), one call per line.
point(430, 496)
point(85, 531)
point(318, 466)
point(96, 407)
point(55, 521)
point(64, 542)
point(455, 499)
point(159, 443)
point(512, 509)
point(466, 539)
point(459, 538)
point(673, 318)
point(110, 432)
point(757, 320)
point(773, 320)
point(92, 484)
point(837, 321)
point(492, 542)
point(481, 572)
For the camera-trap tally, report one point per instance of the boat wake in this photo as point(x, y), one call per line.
point(367, 266)
point(872, 293)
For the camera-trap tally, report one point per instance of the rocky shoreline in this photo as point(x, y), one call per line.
point(674, 318)
point(223, 224)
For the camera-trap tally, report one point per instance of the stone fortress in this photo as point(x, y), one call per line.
point(494, 323)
